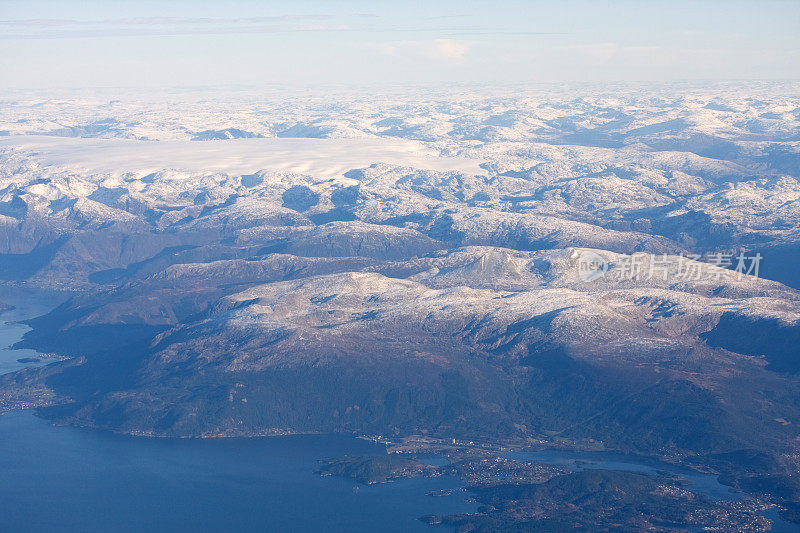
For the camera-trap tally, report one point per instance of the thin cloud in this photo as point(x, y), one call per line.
point(158, 21)
point(166, 26)
point(448, 50)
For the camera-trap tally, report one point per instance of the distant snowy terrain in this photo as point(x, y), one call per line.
point(319, 157)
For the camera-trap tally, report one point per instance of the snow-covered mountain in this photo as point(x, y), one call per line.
point(615, 265)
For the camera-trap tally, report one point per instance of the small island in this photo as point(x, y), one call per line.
point(376, 469)
point(38, 358)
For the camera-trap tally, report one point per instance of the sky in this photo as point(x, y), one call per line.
point(51, 44)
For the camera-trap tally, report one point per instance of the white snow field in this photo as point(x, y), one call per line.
point(318, 157)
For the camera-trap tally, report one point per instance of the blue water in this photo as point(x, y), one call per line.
point(68, 479)
point(27, 305)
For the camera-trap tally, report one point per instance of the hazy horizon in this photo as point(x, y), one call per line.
point(122, 44)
